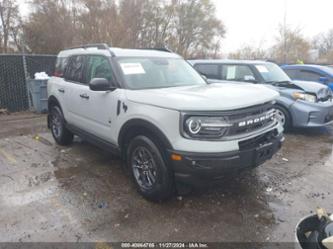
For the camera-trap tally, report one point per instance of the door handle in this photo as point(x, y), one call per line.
point(84, 96)
point(61, 90)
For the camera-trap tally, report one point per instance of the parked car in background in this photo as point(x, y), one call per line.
point(301, 104)
point(153, 109)
point(316, 73)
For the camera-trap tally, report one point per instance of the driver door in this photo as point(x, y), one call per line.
point(101, 108)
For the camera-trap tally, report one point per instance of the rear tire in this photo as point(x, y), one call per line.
point(58, 128)
point(152, 177)
point(284, 117)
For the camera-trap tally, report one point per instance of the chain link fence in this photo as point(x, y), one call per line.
point(14, 70)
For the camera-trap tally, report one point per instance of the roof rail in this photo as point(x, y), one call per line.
point(159, 49)
point(102, 46)
point(94, 45)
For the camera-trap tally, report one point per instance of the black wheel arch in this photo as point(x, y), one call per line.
point(136, 127)
point(53, 101)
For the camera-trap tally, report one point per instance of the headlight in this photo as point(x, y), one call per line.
point(205, 127)
point(305, 97)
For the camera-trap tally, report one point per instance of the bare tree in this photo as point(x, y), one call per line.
point(195, 28)
point(50, 27)
point(290, 46)
point(324, 43)
point(188, 27)
point(9, 25)
point(249, 53)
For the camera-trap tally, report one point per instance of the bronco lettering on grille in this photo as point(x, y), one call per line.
point(267, 116)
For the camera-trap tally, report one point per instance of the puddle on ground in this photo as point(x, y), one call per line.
point(330, 160)
point(27, 197)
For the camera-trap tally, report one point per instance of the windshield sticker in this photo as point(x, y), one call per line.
point(231, 74)
point(132, 68)
point(262, 69)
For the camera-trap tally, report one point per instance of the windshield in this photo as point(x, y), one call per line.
point(148, 73)
point(272, 73)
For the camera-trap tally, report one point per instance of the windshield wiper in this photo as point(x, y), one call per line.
point(278, 83)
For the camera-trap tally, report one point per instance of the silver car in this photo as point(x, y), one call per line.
point(301, 104)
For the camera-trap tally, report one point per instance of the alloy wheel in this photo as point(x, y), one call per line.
point(144, 167)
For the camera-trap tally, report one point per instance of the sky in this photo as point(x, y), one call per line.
point(255, 22)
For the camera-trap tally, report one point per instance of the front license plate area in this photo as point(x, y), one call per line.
point(263, 153)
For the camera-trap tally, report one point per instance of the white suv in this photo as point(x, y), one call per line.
point(152, 108)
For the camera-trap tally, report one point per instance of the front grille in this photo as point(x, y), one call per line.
point(239, 123)
point(325, 99)
point(252, 119)
point(255, 142)
point(324, 95)
point(329, 118)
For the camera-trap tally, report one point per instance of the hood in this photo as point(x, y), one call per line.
point(322, 92)
point(212, 97)
point(313, 87)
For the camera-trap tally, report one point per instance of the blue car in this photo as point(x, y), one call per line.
point(321, 74)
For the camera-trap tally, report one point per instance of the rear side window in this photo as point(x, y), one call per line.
point(61, 64)
point(75, 69)
point(309, 75)
point(211, 71)
point(237, 73)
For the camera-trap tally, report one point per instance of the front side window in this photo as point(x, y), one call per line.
point(98, 67)
point(272, 73)
point(149, 73)
point(211, 71)
point(75, 68)
point(292, 73)
point(237, 73)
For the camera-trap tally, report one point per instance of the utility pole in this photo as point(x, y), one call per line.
point(285, 32)
point(25, 68)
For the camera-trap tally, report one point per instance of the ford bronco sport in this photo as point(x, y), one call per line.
point(155, 111)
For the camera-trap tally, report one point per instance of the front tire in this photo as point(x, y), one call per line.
point(283, 116)
point(151, 175)
point(58, 128)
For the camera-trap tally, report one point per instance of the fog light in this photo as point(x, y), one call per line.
point(176, 157)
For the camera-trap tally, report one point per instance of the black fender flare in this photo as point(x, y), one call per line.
point(134, 125)
point(52, 100)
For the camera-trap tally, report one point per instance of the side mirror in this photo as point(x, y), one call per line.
point(204, 77)
point(250, 78)
point(323, 80)
point(100, 85)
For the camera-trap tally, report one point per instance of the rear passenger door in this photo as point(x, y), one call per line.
point(76, 90)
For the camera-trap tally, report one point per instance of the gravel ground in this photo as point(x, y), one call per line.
point(80, 193)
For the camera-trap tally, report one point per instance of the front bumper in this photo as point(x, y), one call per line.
point(200, 168)
point(305, 114)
